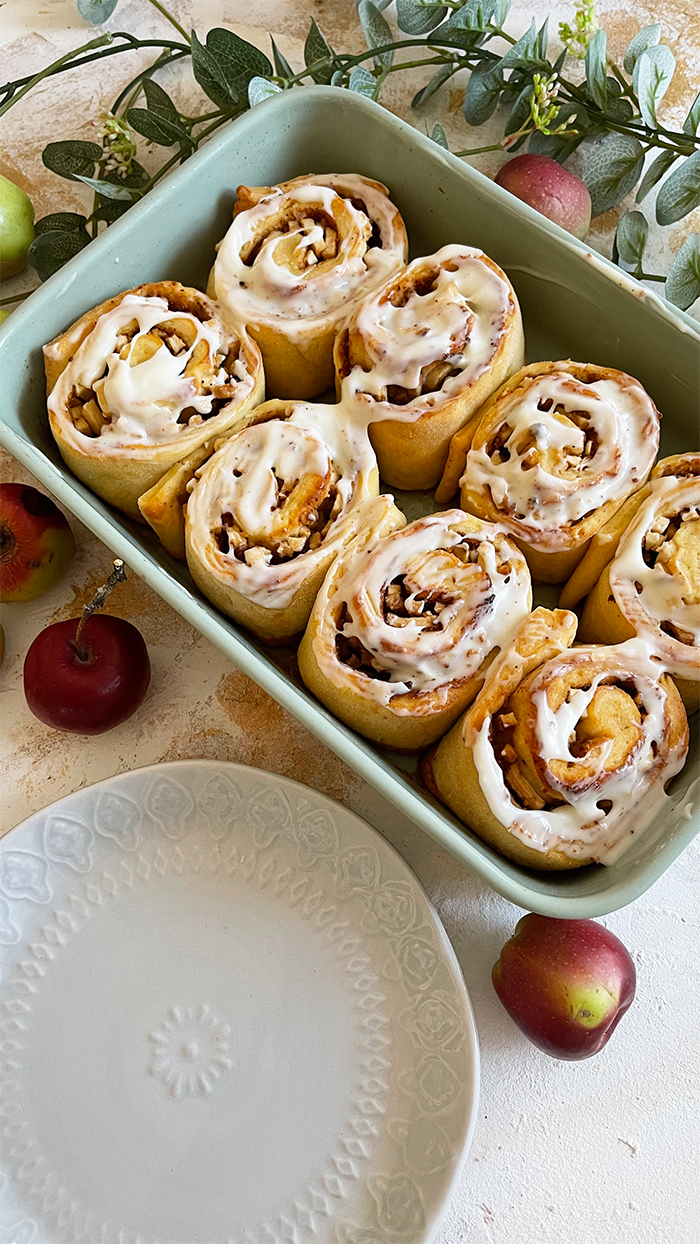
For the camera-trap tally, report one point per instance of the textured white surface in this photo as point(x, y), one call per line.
point(244, 1021)
point(598, 1152)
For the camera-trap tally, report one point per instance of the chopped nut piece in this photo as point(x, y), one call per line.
point(252, 556)
point(94, 417)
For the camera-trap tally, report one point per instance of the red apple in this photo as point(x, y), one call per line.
point(36, 543)
point(551, 189)
point(90, 686)
point(566, 983)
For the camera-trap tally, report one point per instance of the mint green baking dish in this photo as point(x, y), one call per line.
point(574, 304)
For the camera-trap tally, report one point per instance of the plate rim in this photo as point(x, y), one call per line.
point(469, 1021)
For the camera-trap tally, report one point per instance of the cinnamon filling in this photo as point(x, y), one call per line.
point(306, 510)
point(88, 409)
point(285, 227)
point(615, 714)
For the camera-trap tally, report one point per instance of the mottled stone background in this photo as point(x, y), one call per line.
point(591, 1153)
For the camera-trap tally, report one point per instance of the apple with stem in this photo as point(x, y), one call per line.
point(566, 983)
point(90, 674)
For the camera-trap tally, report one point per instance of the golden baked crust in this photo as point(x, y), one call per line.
point(118, 470)
point(554, 473)
point(414, 416)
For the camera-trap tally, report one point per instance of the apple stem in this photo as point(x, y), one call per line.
point(118, 575)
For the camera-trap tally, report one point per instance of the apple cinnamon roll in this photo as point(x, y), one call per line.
point(143, 381)
point(405, 626)
point(421, 355)
point(272, 508)
point(649, 584)
point(552, 455)
point(564, 756)
point(294, 261)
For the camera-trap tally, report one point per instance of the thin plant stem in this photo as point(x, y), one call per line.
point(64, 64)
point(5, 302)
point(101, 41)
point(478, 150)
point(173, 22)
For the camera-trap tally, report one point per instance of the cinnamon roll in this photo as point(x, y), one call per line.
point(552, 455)
point(423, 352)
point(650, 581)
point(564, 756)
point(144, 380)
point(405, 627)
point(272, 508)
point(294, 261)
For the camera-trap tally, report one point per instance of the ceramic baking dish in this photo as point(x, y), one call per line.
point(574, 304)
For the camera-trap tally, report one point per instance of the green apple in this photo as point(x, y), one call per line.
point(16, 228)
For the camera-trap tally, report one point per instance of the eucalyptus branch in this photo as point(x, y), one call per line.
point(616, 105)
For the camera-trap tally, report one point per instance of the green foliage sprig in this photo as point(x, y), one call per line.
point(611, 114)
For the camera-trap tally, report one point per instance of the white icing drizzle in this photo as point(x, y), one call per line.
point(483, 606)
point(579, 827)
point(143, 401)
point(241, 479)
point(469, 299)
point(651, 595)
point(268, 292)
point(554, 472)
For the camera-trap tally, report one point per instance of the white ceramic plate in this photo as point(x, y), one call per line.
point(230, 1015)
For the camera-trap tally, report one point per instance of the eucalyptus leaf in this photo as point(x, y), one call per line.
point(376, 30)
point(483, 89)
point(338, 76)
point(49, 251)
point(96, 12)
point(317, 48)
point(225, 64)
point(522, 52)
point(162, 130)
point(611, 170)
point(619, 109)
point(557, 146)
point(108, 189)
point(362, 82)
point(596, 68)
point(63, 222)
point(438, 79)
point(683, 281)
point(260, 89)
point(110, 210)
point(473, 17)
point(500, 12)
point(631, 238)
point(72, 158)
point(415, 19)
point(159, 101)
point(282, 66)
point(692, 121)
point(655, 172)
point(645, 38)
point(520, 111)
point(680, 192)
point(653, 72)
point(438, 136)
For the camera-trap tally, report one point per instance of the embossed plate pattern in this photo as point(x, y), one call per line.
point(230, 1014)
